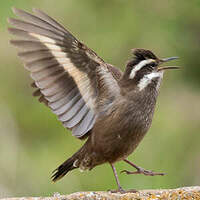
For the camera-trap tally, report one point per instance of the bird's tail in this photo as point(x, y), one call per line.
point(64, 168)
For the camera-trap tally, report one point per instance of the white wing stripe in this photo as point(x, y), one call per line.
point(64, 61)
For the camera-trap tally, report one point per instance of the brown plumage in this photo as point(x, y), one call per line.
point(111, 109)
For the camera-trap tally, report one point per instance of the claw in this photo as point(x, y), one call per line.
point(151, 173)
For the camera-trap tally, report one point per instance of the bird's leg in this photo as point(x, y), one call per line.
point(117, 180)
point(140, 170)
point(120, 189)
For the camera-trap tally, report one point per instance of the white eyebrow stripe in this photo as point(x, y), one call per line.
point(138, 67)
point(148, 78)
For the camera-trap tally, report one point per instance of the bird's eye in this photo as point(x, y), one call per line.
point(153, 64)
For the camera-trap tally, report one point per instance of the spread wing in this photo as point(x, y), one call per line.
point(69, 76)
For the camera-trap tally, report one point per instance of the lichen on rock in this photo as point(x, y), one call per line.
point(185, 193)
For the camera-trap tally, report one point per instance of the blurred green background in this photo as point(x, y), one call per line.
point(33, 142)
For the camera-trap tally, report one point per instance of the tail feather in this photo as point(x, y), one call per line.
point(70, 164)
point(63, 169)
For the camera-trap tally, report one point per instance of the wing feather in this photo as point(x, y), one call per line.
point(69, 76)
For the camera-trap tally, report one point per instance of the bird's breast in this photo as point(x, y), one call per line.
point(117, 133)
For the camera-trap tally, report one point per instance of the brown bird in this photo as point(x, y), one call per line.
point(96, 101)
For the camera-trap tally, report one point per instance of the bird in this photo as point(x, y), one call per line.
point(109, 109)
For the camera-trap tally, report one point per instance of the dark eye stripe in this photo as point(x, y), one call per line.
point(148, 67)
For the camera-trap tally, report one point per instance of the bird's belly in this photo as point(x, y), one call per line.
point(116, 135)
point(117, 146)
point(124, 146)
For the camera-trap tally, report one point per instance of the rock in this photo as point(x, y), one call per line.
point(186, 193)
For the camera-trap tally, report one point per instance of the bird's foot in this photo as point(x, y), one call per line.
point(122, 191)
point(143, 171)
point(119, 190)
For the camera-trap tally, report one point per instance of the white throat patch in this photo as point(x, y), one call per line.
point(146, 80)
point(139, 66)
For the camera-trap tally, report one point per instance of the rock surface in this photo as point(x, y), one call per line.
point(186, 193)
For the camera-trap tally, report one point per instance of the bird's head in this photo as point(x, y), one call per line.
point(144, 68)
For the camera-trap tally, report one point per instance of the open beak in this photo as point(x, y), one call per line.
point(168, 67)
